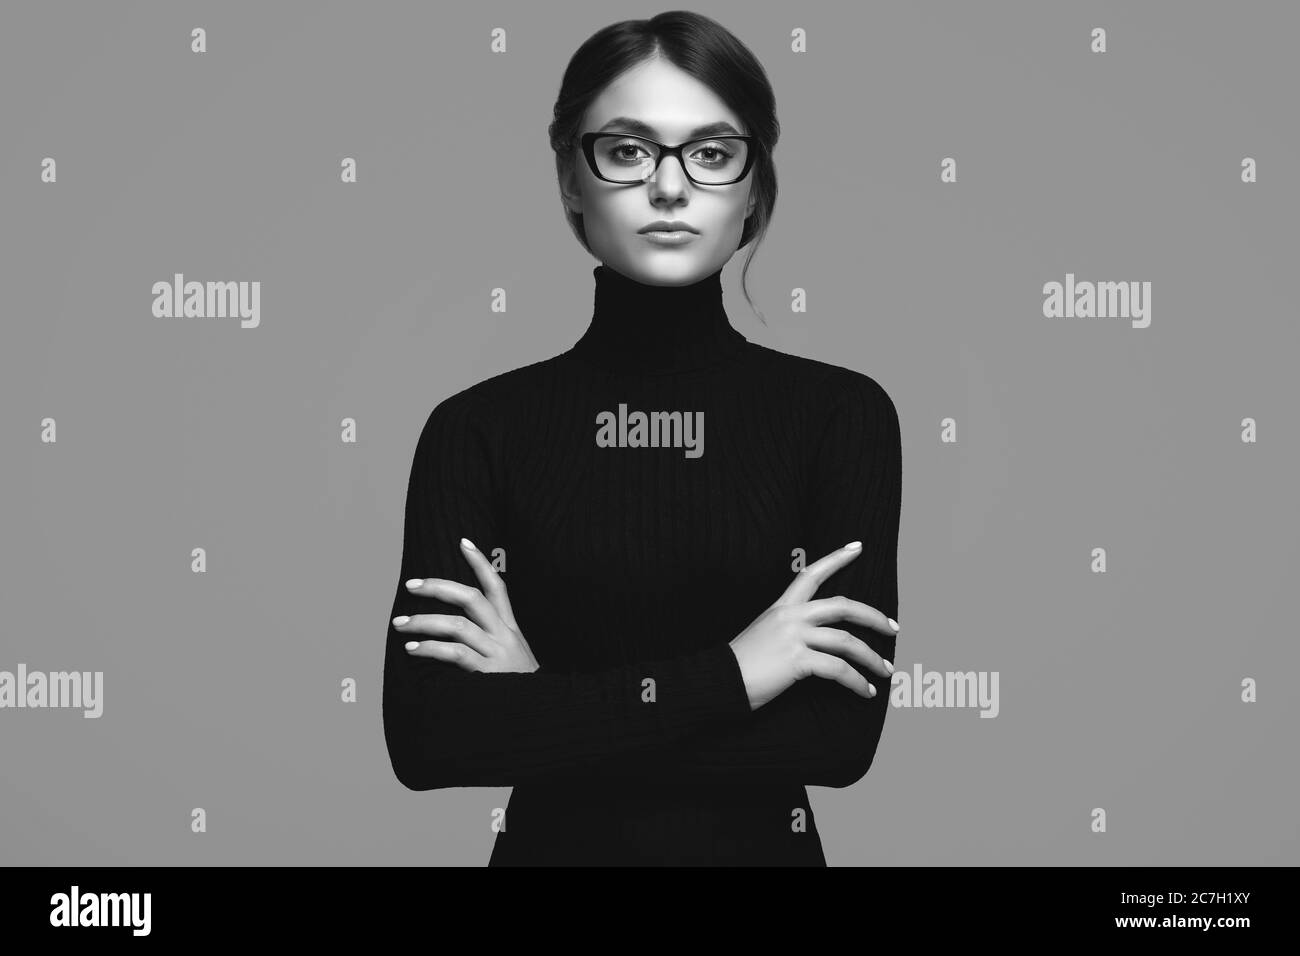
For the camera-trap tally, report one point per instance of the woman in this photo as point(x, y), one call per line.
point(653, 684)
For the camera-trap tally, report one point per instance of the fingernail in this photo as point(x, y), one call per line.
point(853, 546)
point(889, 667)
point(412, 645)
point(414, 583)
point(871, 689)
point(467, 543)
point(892, 623)
point(400, 620)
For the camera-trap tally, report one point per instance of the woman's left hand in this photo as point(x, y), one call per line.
point(491, 641)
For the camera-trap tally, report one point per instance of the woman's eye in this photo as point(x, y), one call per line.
point(718, 154)
point(625, 153)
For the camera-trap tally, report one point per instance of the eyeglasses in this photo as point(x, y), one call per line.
point(625, 159)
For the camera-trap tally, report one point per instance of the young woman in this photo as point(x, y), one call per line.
point(657, 684)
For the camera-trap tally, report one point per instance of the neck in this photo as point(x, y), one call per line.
point(637, 327)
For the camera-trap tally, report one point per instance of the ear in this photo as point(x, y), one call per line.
point(570, 191)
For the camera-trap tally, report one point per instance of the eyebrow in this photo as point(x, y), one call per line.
point(638, 128)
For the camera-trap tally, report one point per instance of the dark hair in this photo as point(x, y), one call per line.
point(707, 51)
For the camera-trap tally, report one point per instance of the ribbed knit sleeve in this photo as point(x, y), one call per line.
point(448, 727)
point(819, 732)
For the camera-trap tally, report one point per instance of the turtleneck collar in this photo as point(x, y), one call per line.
point(656, 328)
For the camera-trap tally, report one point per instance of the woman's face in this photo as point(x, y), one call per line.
point(674, 104)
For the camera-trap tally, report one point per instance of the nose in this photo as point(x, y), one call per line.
point(669, 181)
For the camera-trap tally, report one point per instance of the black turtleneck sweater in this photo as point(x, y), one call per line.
point(627, 561)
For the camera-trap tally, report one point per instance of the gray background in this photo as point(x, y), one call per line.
point(1119, 690)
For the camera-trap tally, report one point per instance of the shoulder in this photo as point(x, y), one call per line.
point(828, 389)
point(491, 404)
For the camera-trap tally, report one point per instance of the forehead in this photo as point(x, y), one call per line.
point(668, 100)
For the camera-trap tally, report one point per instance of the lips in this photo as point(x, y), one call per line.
point(676, 225)
point(674, 237)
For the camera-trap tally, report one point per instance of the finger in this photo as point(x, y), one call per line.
point(479, 609)
point(838, 669)
point(450, 625)
point(807, 581)
point(833, 640)
point(841, 608)
point(457, 654)
point(489, 582)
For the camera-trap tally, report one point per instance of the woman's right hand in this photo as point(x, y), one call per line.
point(786, 644)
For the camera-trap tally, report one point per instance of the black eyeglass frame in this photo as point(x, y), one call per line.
point(588, 141)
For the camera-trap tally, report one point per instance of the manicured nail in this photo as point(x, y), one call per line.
point(892, 623)
point(871, 689)
point(412, 645)
point(400, 620)
point(414, 583)
point(853, 546)
point(889, 667)
point(467, 543)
